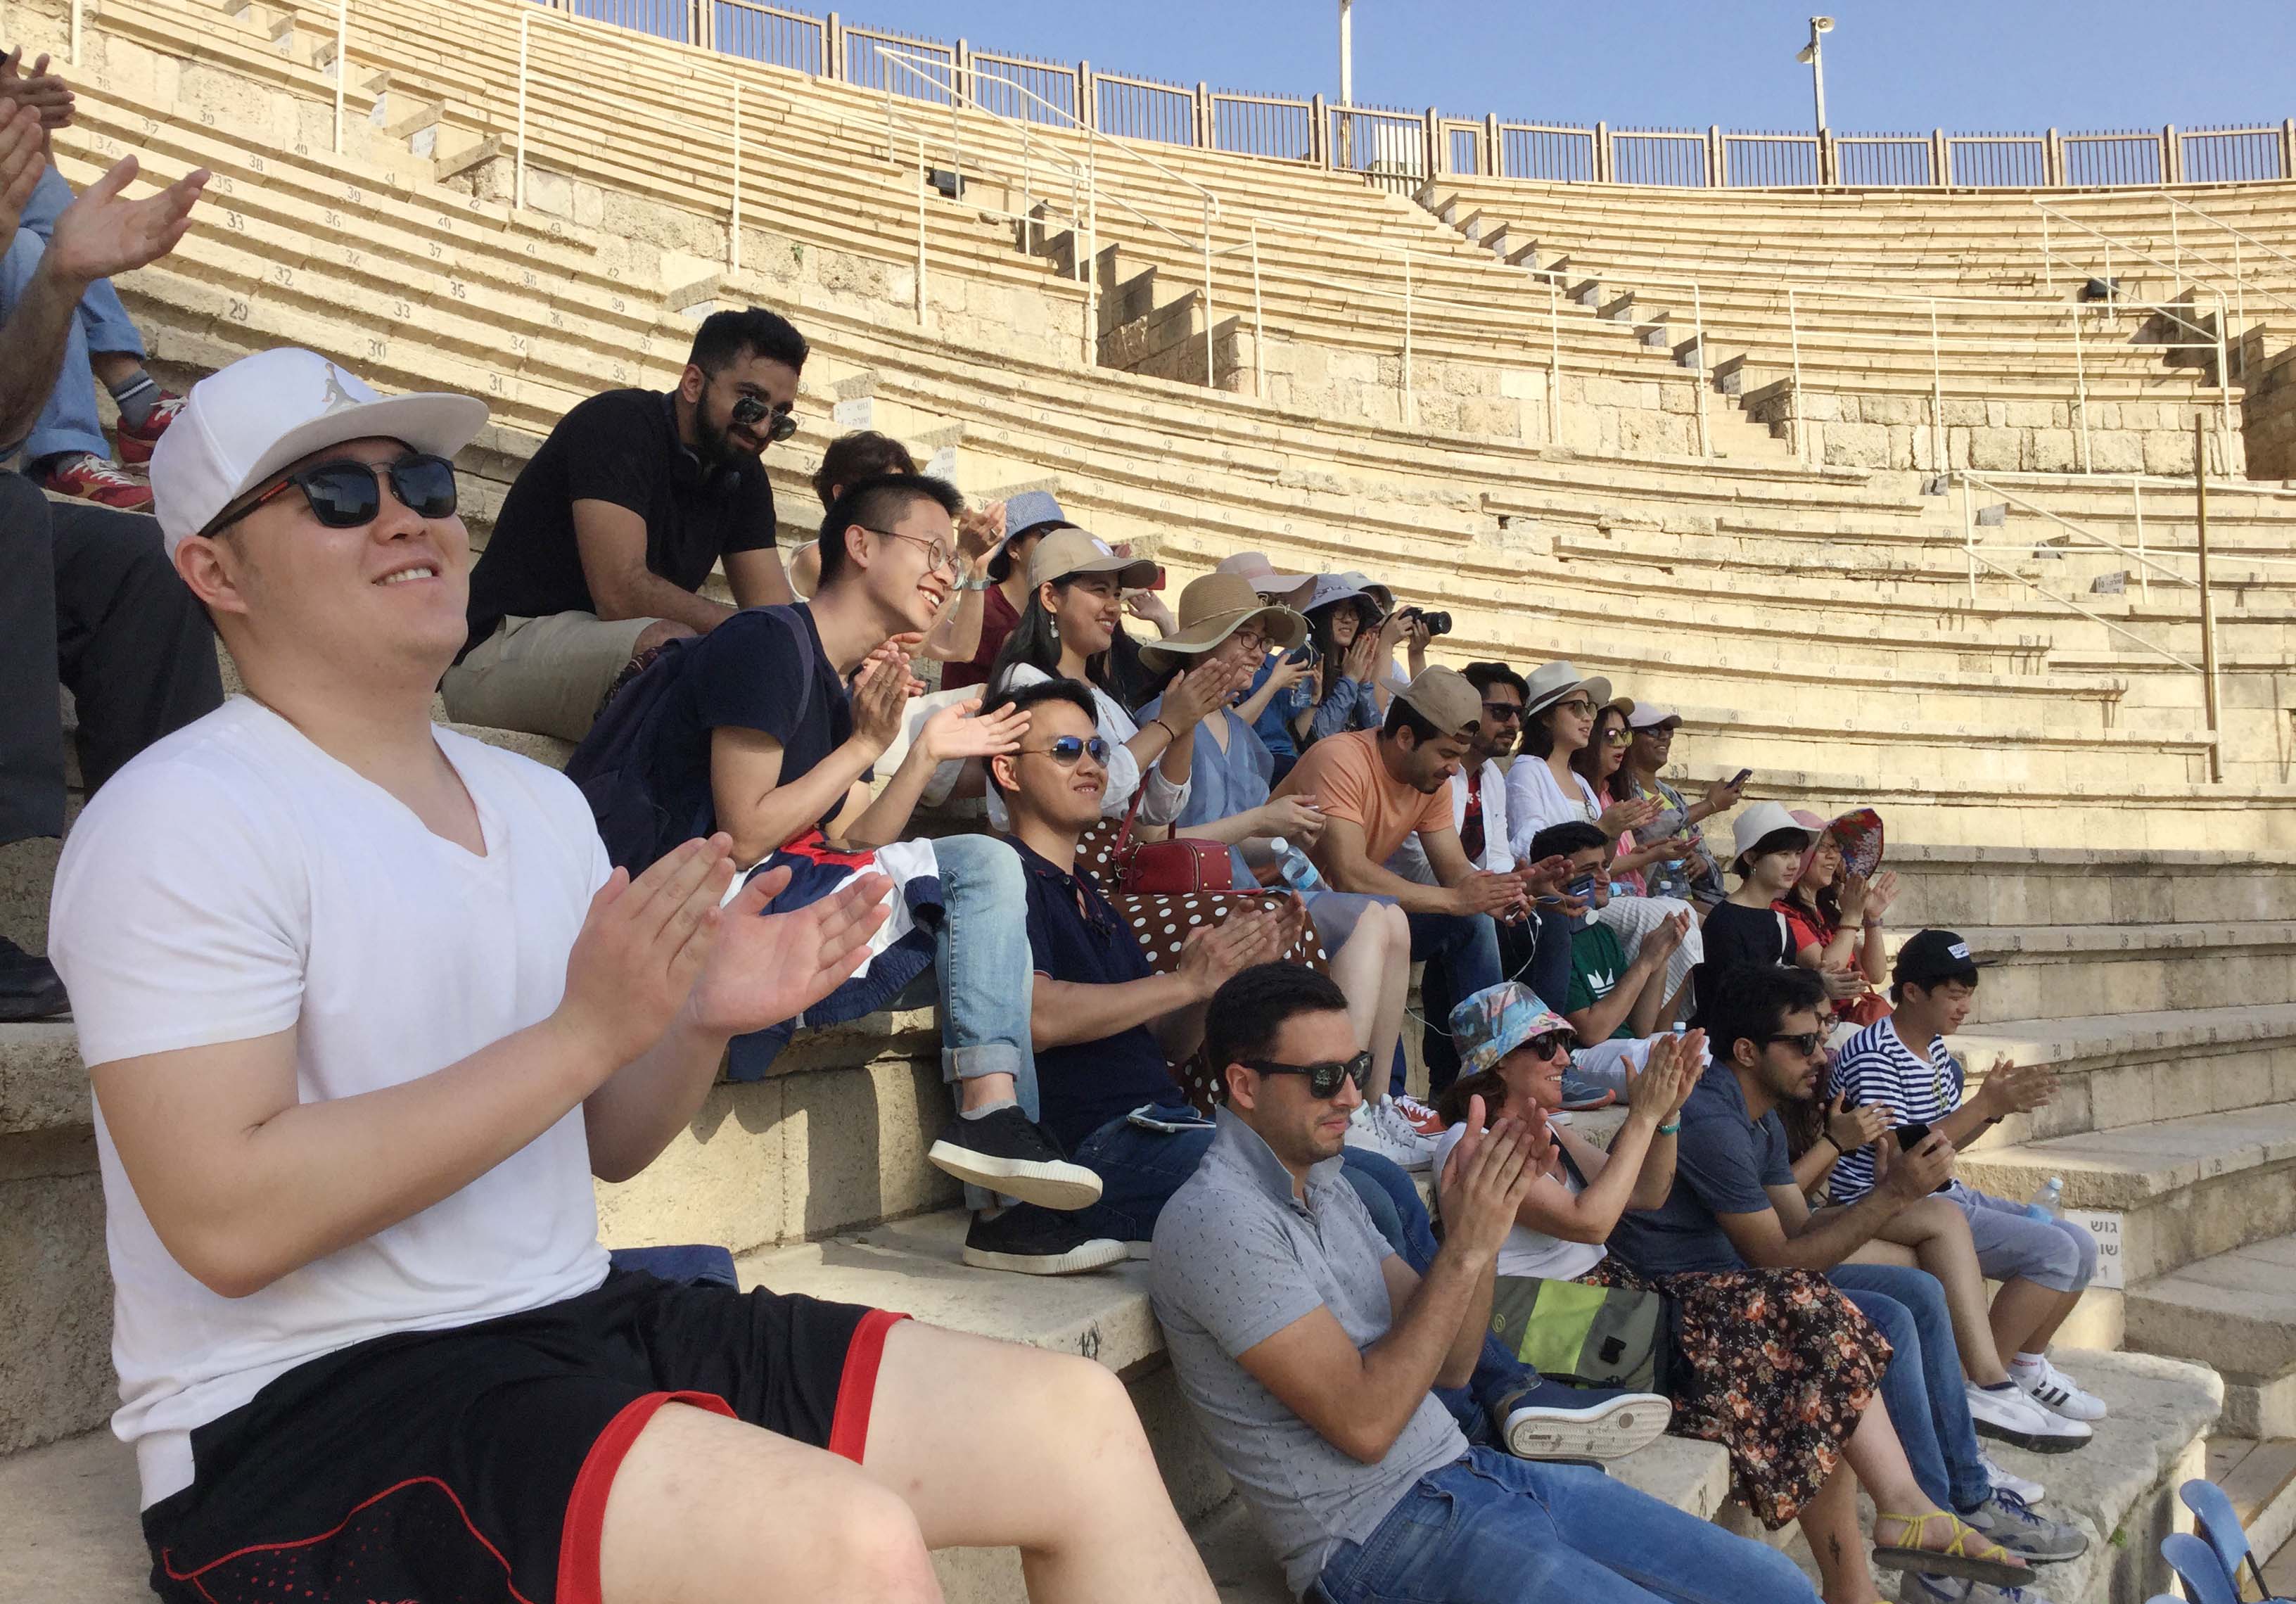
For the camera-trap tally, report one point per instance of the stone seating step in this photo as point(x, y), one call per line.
point(2065, 971)
point(2237, 1312)
point(2187, 1188)
point(2082, 885)
point(2259, 1475)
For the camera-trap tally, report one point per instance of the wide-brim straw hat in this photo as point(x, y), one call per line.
point(1215, 607)
point(1555, 680)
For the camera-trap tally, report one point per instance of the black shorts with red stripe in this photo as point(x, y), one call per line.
point(471, 1466)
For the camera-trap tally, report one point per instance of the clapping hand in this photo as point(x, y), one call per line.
point(764, 969)
point(48, 95)
point(1487, 1176)
point(881, 696)
point(1656, 1092)
point(100, 234)
point(959, 731)
point(1843, 985)
point(2012, 1087)
point(21, 166)
point(1215, 955)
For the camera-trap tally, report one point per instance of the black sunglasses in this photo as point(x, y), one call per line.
point(1065, 750)
point(1323, 1078)
point(1495, 711)
point(1806, 1042)
point(1546, 1044)
point(750, 409)
point(345, 492)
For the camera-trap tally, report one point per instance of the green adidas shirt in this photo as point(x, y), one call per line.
point(1597, 962)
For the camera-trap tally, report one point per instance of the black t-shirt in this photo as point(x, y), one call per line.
point(1075, 935)
point(1735, 938)
point(620, 447)
point(763, 669)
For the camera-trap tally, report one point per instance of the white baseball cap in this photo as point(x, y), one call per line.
point(244, 423)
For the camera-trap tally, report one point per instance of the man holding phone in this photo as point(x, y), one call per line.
point(602, 547)
point(1734, 1205)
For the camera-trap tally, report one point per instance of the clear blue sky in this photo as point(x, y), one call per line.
point(1968, 65)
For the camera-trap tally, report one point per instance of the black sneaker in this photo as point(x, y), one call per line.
point(1037, 1241)
point(1007, 1154)
point(30, 987)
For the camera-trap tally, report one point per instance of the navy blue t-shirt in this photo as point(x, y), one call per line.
point(1075, 935)
point(763, 669)
point(1723, 1162)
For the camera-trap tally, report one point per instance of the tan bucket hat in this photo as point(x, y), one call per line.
point(1068, 552)
point(1215, 607)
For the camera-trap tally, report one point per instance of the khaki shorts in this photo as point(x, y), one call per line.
point(546, 675)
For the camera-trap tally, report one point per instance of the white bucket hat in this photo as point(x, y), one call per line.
point(242, 423)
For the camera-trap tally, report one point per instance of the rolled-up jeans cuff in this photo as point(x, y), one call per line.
point(981, 1058)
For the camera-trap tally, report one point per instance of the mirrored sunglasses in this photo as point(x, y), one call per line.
point(1065, 750)
point(345, 493)
point(752, 410)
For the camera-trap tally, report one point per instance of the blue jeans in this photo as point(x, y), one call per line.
point(68, 422)
point(1462, 955)
point(1923, 1385)
point(983, 973)
point(1493, 1529)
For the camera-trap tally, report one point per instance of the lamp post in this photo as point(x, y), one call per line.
point(1811, 57)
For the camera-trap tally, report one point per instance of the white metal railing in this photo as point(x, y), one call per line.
point(530, 14)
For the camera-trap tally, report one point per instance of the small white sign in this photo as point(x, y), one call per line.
point(2104, 1228)
point(943, 465)
point(856, 412)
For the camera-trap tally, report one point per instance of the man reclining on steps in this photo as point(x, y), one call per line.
point(366, 1009)
point(1900, 1063)
point(1307, 1349)
point(603, 543)
point(87, 596)
point(753, 730)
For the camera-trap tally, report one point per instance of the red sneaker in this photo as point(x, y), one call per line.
point(1418, 1115)
point(136, 442)
point(92, 479)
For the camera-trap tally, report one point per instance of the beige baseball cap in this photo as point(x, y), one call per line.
point(1067, 552)
point(1445, 699)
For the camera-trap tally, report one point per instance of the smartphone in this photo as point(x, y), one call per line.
point(1158, 582)
point(1583, 888)
point(1303, 655)
point(1740, 778)
point(1912, 1135)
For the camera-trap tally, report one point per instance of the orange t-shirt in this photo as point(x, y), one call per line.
point(1350, 782)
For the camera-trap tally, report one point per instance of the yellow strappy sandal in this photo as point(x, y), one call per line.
point(1980, 1560)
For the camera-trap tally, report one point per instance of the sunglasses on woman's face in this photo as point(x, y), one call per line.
point(1551, 1044)
point(1323, 1078)
point(1616, 737)
point(1065, 750)
point(752, 410)
point(345, 493)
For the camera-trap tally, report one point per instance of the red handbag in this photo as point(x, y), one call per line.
point(1181, 865)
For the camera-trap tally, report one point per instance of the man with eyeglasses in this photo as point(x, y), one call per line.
point(1310, 1352)
point(365, 1010)
point(770, 728)
point(1735, 1205)
point(602, 547)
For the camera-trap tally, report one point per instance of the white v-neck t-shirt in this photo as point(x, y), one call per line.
point(233, 881)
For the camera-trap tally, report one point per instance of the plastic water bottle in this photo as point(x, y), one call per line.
point(2046, 1199)
point(1293, 865)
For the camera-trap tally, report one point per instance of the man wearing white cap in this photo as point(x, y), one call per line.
point(365, 1010)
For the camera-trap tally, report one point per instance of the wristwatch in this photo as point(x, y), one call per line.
point(980, 584)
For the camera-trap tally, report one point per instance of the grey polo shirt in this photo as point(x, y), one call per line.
point(1237, 1259)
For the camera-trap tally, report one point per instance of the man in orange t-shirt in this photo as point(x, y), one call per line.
point(1375, 788)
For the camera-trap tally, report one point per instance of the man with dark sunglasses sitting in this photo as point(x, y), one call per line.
point(365, 1010)
point(1103, 1024)
point(1734, 1205)
point(1309, 1353)
point(602, 547)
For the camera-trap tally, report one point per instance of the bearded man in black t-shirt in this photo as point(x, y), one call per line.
point(602, 547)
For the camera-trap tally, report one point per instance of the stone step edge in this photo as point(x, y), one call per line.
point(2127, 1166)
point(2070, 1041)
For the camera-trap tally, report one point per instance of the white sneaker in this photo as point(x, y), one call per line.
point(2051, 1388)
point(1375, 1128)
point(2009, 1481)
point(2009, 1416)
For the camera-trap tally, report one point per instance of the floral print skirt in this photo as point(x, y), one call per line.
point(1777, 1366)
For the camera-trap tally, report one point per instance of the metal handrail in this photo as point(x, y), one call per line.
point(1966, 479)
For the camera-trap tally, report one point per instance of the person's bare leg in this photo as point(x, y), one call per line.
point(1875, 1454)
point(1829, 1522)
point(1938, 1232)
point(1074, 1488)
point(1372, 969)
point(709, 1511)
point(2027, 1314)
